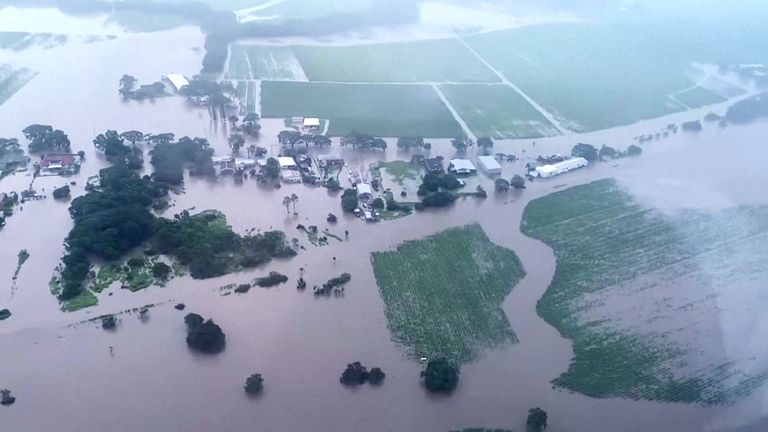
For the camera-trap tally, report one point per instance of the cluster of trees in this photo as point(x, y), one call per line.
point(219, 94)
point(461, 144)
point(117, 152)
point(204, 336)
point(273, 279)
point(289, 138)
point(441, 376)
point(210, 248)
point(250, 125)
point(537, 419)
point(9, 146)
point(586, 151)
point(170, 158)
point(517, 182)
point(356, 374)
point(349, 200)
point(108, 223)
point(272, 169)
point(439, 199)
point(61, 192)
point(108, 322)
point(44, 139)
point(434, 182)
point(363, 141)
point(127, 89)
point(409, 143)
point(290, 200)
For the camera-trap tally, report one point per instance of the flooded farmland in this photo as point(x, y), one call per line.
point(66, 371)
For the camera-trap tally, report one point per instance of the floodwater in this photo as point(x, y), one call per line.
point(62, 372)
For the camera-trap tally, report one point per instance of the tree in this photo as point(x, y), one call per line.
point(294, 200)
point(233, 119)
point(349, 200)
point(537, 419)
point(378, 203)
point(9, 146)
point(486, 144)
point(439, 199)
point(354, 374)
point(607, 152)
point(460, 144)
point(254, 384)
point(6, 398)
point(287, 204)
point(161, 271)
point(586, 151)
point(322, 141)
point(501, 185)
point(517, 182)
point(132, 136)
point(272, 169)
point(204, 336)
point(109, 322)
point(440, 376)
point(376, 376)
point(634, 150)
point(127, 84)
point(236, 142)
point(62, 192)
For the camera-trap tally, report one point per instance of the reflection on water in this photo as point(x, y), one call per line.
point(300, 343)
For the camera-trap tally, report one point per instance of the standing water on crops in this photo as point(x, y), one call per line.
point(299, 342)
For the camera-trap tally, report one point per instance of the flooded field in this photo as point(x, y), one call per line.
point(60, 365)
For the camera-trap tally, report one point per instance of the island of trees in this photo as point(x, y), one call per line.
point(440, 376)
point(204, 335)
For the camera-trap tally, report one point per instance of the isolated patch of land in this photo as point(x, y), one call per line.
point(654, 303)
point(443, 294)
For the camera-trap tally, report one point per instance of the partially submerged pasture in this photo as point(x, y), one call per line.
point(12, 80)
point(654, 303)
point(443, 294)
point(375, 109)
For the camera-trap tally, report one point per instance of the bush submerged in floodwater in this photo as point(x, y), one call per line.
point(204, 336)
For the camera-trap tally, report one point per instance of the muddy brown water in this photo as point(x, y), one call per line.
point(65, 378)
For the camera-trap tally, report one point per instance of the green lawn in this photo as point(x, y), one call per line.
point(594, 76)
point(419, 61)
point(400, 170)
point(643, 295)
point(12, 80)
point(698, 96)
point(375, 109)
point(443, 294)
point(497, 111)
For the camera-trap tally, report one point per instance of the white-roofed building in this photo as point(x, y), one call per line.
point(287, 162)
point(461, 166)
point(561, 167)
point(489, 164)
point(364, 191)
point(177, 80)
point(311, 122)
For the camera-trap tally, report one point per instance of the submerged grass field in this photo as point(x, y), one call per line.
point(257, 62)
point(497, 111)
point(419, 61)
point(379, 110)
point(443, 294)
point(596, 76)
point(651, 300)
point(12, 80)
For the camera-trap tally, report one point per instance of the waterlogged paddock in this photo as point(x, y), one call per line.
point(443, 294)
point(12, 80)
point(375, 109)
point(642, 294)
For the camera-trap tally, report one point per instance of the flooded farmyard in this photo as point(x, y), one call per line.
point(66, 371)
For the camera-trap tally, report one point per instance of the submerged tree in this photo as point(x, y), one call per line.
point(440, 376)
point(236, 142)
point(287, 204)
point(486, 144)
point(354, 374)
point(254, 384)
point(294, 200)
point(204, 336)
point(537, 419)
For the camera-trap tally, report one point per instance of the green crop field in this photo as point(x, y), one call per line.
point(12, 80)
point(264, 63)
point(443, 294)
point(419, 61)
point(497, 111)
point(698, 96)
point(375, 109)
point(649, 298)
point(595, 76)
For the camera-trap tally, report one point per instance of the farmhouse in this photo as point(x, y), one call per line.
point(364, 191)
point(561, 167)
point(177, 80)
point(462, 166)
point(58, 164)
point(489, 165)
point(434, 165)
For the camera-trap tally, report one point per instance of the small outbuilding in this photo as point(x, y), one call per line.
point(434, 165)
point(330, 160)
point(462, 166)
point(177, 80)
point(364, 191)
point(311, 123)
point(489, 164)
point(287, 162)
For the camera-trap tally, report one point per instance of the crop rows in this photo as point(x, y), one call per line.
point(637, 291)
point(443, 294)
